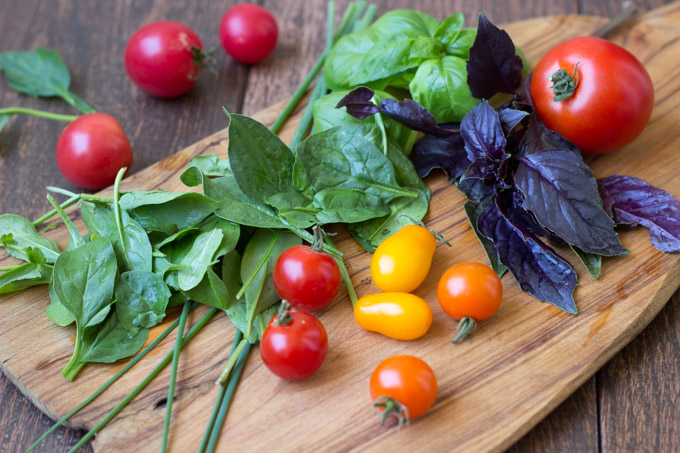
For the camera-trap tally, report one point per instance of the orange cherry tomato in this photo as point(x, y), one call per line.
point(469, 292)
point(403, 386)
point(402, 316)
point(401, 262)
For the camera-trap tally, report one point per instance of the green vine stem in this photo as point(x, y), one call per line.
point(142, 385)
point(108, 383)
point(38, 113)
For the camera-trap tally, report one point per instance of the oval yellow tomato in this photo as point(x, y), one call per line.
point(402, 316)
point(401, 262)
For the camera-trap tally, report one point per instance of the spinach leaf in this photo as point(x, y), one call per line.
point(56, 312)
point(230, 233)
point(25, 276)
point(440, 85)
point(261, 163)
point(292, 207)
point(199, 258)
point(210, 291)
point(348, 206)
point(210, 165)
point(343, 158)
point(111, 342)
point(237, 310)
point(167, 212)
point(101, 220)
point(175, 237)
point(40, 73)
point(141, 300)
point(25, 236)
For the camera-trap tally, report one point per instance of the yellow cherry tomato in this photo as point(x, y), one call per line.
point(402, 316)
point(401, 262)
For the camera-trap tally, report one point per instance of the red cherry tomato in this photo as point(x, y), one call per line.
point(611, 103)
point(307, 279)
point(296, 349)
point(91, 151)
point(248, 33)
point(400, 382)
point(164, 58)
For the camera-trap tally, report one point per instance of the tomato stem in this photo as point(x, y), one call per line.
point(464, 328)
point(564, 84)
point(284, 316)
point(392, 407)
point(38, 113)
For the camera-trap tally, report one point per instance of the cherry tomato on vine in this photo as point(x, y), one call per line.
point(307, 279)
point(294, 344)
point(164, 58)
point(402, 316)
point(91, 150)
point(607, 94)
point(248, 33)
point(401, 262)
point(469, 292)
point(404, 387)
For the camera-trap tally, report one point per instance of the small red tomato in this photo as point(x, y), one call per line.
point(294, 344)
point(248, 33)
point(91, 151)
point(164, 58)
point(307, 279)
point(403, 381)
point(608, 94)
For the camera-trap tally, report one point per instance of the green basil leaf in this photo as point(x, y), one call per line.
point(348, 206)
point(167, 212)
point(199, 258)
point(210, 291)
point(440, 85)
point(111, 342)
point(460, 47)
point(286, 203)
point(261, 163)
point(141, 300)
point(448, 30)
point(24, 236)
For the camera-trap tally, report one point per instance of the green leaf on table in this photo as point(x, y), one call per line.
point(40, 73)
point(141, 300)
point(111, 342)
point(167, 212)
point(199, 258)
point(25, 236)
point(210, 291)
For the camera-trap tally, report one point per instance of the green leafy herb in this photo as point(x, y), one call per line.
point(20, 235)
point(210, 291)
point(111, 341)
point(199, 258)
point(141, 300)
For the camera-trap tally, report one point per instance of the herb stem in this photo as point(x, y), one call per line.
point(263, 260)
point(74, 365)
point(108, 383)
point(173, 373)
point(345, 276)
point(367, 19)
point(75, 101)
point(118, 217)
point(38, 113)
point(76, 239)
point(9, 268)
point(61, 191)
point(231, 362)
point(142, 385)
point(40, 220)
point(90, 197)
point(218, 400)
point(381, 126)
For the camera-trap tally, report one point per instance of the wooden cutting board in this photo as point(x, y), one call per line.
point(517, 367)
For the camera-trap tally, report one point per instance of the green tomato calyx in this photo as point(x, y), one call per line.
point(391, 407)
point(464, 328)
point(564, 84)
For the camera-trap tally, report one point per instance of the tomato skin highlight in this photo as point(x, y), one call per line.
point(470, 290)
point(307, 279)
point(248, 33)
point(295, 350)
point(159, 60)
point(91, 150)
point(401, 316)
point(612, 102)
point(402, 261)
point(407, 379)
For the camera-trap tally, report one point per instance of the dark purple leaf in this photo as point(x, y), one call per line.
point(511, 118)
point(447, 153)
point(475, 189)
point(483, 135)
point(632, 201)
point(514, 202)
point(539, 138)
point(561, 192)
point(358, 103)
point(414, 116)
point(473, 210)
point(493, 66)
point(536, 267)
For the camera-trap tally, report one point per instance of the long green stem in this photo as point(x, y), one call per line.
point(38, 113)
point(142, 385)
point(108, 383)
point(345, 276)
point(264, 259)
point(231, 362)
point(40, 220)
point(218, 400)
point(74, 365)
point(117, 215)
point(61, 191)
point(173, 375)
point(226, 401)
point(76, 239)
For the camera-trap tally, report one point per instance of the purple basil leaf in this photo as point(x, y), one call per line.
point(633, 201)
point(447, 153)
point(493, 66)
point(562, 194)
point(358, 103)
point(414, 116)
point(514, 201)
point(475, 189)
point(483, 135)
point(536, 267)
point(473, 210)
point(511, 118)
point(539, 138)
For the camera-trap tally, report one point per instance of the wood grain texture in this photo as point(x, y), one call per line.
point(29, 204)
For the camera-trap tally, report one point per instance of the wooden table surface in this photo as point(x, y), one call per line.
point(631, 404)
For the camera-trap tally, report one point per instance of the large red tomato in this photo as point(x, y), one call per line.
point(611, 94)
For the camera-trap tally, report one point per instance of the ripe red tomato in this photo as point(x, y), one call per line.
point(307, 279)
point(91, 151)
point(403, 381)
point(296, 349)
point(248, 32)
point(611, 103)
point(470, 290)
point(164, 58)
